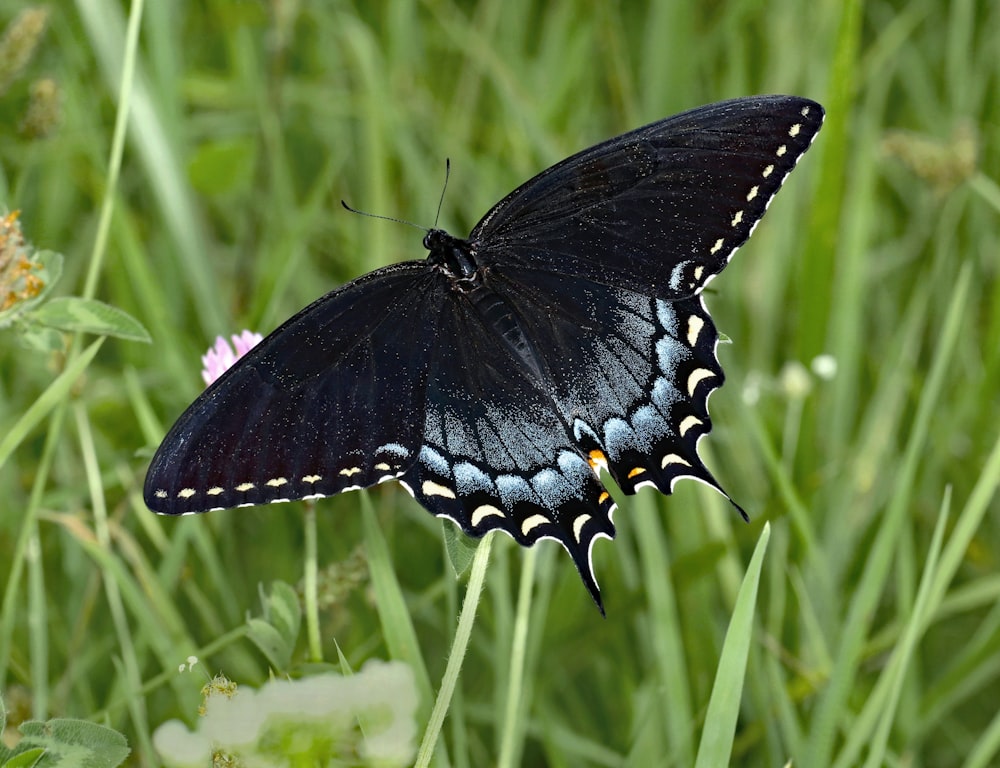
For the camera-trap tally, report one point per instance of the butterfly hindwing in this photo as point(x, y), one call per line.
point(496, 455)
point(629, 375)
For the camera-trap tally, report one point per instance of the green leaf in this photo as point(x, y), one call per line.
point(271, 643)
point(40, 339)
point(26, 759)
point(72, 313)
point(277, 632)
point(460, 548)
point(283, 610)
point(74, 744)
point(716, 744)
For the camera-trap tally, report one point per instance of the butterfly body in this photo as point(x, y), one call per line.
point(498, 376)
point(455, 257)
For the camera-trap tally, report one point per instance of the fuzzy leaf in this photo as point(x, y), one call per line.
point(277, 632)
point(460, 548)
point(72, 313)
point(26, 759)
point(74, 743)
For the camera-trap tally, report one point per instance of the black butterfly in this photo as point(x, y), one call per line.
point(494, 378)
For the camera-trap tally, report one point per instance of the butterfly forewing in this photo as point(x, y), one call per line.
point(332, 400)
point(496, 379)
point(659, 210)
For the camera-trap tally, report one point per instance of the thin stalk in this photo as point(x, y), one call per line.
point(477, 576)
point(518, 653)
point(309, 584)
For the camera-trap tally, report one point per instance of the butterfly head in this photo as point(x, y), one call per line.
point(454, 256)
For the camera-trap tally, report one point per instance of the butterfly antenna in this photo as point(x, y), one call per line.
point(447, 174)
point(384, 218)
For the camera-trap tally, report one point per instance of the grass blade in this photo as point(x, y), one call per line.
point(724, 706)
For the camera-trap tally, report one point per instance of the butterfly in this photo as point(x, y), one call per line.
point(499, 376)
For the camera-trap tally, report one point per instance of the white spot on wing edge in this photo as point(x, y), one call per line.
point(673, 458)
point(718, 245)
point(753, 192)
point(533, 522)
point(430, 488)
point(578, 524)
point(687, 424)
point(244, 487)
point(277, 482)
point(186, 493)
point(350, 471)
point(794, 130)
point(695, 324)
point(697, 376)
point(214, 491)
point(737, 219)
point(311, 479)
point(481, 513)
point(160, 493)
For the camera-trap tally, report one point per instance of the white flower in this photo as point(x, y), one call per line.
point(824, 366)
point(366, 717)
point(180, 748)
point(794, 380)
point(233, 723)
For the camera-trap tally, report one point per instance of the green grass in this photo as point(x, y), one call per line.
point(876, 629)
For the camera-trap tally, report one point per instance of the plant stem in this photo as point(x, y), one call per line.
point(473, 592)
point(309, 585)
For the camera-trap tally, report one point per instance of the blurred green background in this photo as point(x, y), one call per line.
point(251, 120)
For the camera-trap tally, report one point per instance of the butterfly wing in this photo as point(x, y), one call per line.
point(629, 375)
point(330, 401)
point(659, 210)
point(496, 454)
point(576, 339)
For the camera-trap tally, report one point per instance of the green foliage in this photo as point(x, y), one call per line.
point(716, 746)
point(277, 632)
point(365, 719)
point(27, 278)
point(858, 421)
point(63, 743)
point(72, 313)
point(459, 547)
